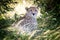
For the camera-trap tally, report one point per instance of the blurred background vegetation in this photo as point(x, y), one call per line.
point(48, 21)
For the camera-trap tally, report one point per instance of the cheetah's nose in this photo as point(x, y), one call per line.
point(33, 14)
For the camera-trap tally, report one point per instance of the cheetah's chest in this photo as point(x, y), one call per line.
point(28, 25)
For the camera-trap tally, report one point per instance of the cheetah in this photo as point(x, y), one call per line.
point(29, 23)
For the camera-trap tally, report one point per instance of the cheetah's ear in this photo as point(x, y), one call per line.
point(26, 8)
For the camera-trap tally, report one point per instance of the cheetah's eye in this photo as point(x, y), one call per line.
point(30, 10)
point(35, 10)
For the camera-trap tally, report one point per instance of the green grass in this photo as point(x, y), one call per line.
point(45, 34)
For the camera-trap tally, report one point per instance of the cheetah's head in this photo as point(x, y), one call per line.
point(32, 11)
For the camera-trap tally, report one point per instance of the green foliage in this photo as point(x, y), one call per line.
point(49, 5)
point(5, 23)
point(4, 5)
point(7, 35)
point(11, 35)
point(50, 8)
point(50, 18)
